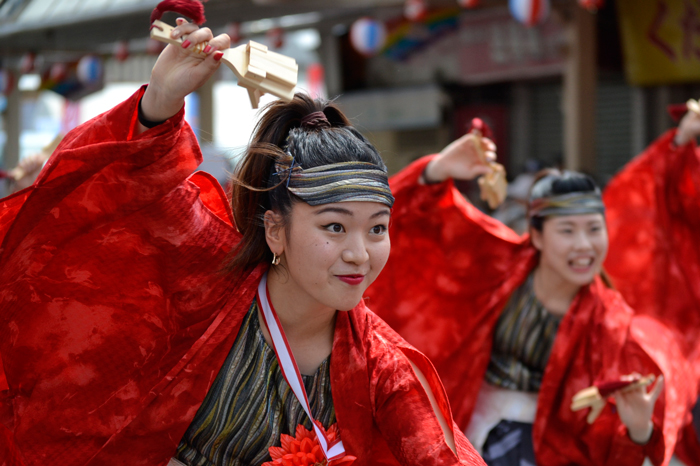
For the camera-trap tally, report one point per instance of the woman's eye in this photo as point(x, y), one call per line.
point(334, 228)
point(378, 229)
point(566, 232)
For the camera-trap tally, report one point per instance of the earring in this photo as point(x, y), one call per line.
point(275, 259)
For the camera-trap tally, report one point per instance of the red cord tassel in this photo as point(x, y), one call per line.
point(192, 9)
point(478, 123)
point(677, 111)
point(609, 387)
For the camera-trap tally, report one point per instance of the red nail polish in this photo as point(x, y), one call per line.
point(218, 56)
point(186, 44)
point(207, 49)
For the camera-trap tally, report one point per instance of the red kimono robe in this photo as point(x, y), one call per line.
point(451, 272)
point(653, 216)
point(115, 318)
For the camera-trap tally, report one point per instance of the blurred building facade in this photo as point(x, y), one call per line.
point(581, 90)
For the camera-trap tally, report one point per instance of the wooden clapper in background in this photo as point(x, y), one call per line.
point(596, 396)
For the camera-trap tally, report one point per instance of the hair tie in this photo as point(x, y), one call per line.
point(315, 120)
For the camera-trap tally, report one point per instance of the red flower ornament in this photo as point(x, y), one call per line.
point(304, 450)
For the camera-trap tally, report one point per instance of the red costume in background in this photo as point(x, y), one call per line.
point(653, 217)
point(115, 318)
point(450, 273)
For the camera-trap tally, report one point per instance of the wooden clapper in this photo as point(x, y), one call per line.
point(493, 185)
point(259, 70)
point(596, 396)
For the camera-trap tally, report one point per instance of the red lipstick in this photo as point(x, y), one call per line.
point(351, 279)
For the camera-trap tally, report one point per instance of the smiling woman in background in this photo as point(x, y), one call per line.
point(516, 326)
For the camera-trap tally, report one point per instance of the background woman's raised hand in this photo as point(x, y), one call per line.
point(688, 129)
point(635, 408)
point(461, 160)
point(181, 70)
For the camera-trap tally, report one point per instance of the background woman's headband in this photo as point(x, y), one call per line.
point(544, 204)
point(568, 204)
point(338, 182)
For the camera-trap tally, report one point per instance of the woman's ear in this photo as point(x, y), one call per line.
point(274, 232)
point(536, 238)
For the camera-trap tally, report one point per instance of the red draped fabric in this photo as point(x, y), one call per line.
point(115, 317)
point(450, 273)
point(653, 216)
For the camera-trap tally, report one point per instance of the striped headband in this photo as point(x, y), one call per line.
point(576, 203)
point(337, 182)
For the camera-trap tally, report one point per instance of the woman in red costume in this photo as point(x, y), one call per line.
point(141, 320)
point(653, 221)
point(516, 326)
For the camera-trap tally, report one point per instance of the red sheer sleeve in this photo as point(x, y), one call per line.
point(653, 215)
point(403, 411)
point(651, 348)
point(600, 338)
point(111, 294)
point(444, 253)
point(450, 271)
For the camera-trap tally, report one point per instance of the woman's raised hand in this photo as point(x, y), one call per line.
point(461, 160)
point(180, 70)
point(688, 129)
point(635, 408)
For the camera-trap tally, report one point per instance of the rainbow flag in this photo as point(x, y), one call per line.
point(406, 37)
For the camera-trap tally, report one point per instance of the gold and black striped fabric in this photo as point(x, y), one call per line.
point(522, 342)
point(575, 203)
point(337, 182)
point(250, 405)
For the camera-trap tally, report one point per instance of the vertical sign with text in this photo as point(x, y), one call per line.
point(661, 40)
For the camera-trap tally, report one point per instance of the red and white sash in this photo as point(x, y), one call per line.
point(290, 371)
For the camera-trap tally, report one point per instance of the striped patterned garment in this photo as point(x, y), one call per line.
point(250, 405)
point(522, 342)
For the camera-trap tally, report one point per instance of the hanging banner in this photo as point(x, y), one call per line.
point(476, 47)
point(661, 41)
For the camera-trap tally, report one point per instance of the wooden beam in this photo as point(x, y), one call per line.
point(206, 112)
point(580, 88)
point(13, 128)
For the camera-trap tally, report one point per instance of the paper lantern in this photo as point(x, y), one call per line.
point(368, 36)
point(89, 70)
point(469, 3)
point(121, 50)
point(529, 12)
point(28, 63)
point(234, 32)
point(315, 76)
point(592, 5)
point(415, 10)
point(276, 36)
point(7, 82)
point(154, 47)
point(58, 72)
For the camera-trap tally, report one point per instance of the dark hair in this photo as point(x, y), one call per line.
point(557, 182)
point(258, 187)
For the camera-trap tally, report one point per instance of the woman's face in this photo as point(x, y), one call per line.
point(573, 246)
point(333, 252)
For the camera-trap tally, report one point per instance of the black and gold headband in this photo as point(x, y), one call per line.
point(568, 204)
point(574, 203)
point(337, 182)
